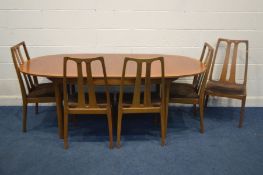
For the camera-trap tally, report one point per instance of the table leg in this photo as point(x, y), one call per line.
point(167, 95)
point(59, 108)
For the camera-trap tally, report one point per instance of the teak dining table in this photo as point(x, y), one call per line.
point(51, 67)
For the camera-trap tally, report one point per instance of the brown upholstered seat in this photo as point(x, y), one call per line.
point(217, 87)
point(183, 90)
point(42, 90)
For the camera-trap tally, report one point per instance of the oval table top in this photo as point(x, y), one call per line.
point(51, 66)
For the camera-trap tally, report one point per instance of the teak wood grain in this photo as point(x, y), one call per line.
point(51, 66)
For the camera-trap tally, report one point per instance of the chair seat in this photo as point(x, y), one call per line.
point(42, 90)
point(127, 99)
point(216, 87)
point(183, 90)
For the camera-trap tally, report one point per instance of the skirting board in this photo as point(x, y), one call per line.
point(213, 101)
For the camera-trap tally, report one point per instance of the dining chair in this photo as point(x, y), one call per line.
point(91, 102)
point(144, 101)
point(227, 84)
point(32, 91)
point(193, 93)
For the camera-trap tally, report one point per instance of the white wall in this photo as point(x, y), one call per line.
point(129, 26)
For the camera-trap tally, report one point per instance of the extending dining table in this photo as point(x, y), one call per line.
point(51, 67)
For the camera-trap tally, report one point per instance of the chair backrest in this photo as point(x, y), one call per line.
point(234, 47)
point(20, 55)
point(85, 79)
point(200, 80)
point(141, 81)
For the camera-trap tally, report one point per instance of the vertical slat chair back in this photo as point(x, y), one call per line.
point(141, 81)
point(27, 82)
point(83, 80)
point(200, 80)
point(229, 45)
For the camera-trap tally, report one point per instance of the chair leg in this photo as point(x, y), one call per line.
point(109, 118)
point(206, 100)
point(242, 112)
point(166, 110)
point(163, 121)
point(36, 108)
point(65, 131)
point(119, 128)
point(195, 110)
point(166, 119)
point(59, 108)
point(201, 108)
point(24, 118)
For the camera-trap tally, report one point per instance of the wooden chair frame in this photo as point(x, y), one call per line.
point(232, 77)
point(199, 83)
point(28, 83)
point(146, 106)
point(81, 107)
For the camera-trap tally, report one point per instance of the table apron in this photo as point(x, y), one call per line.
point(111, 81)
